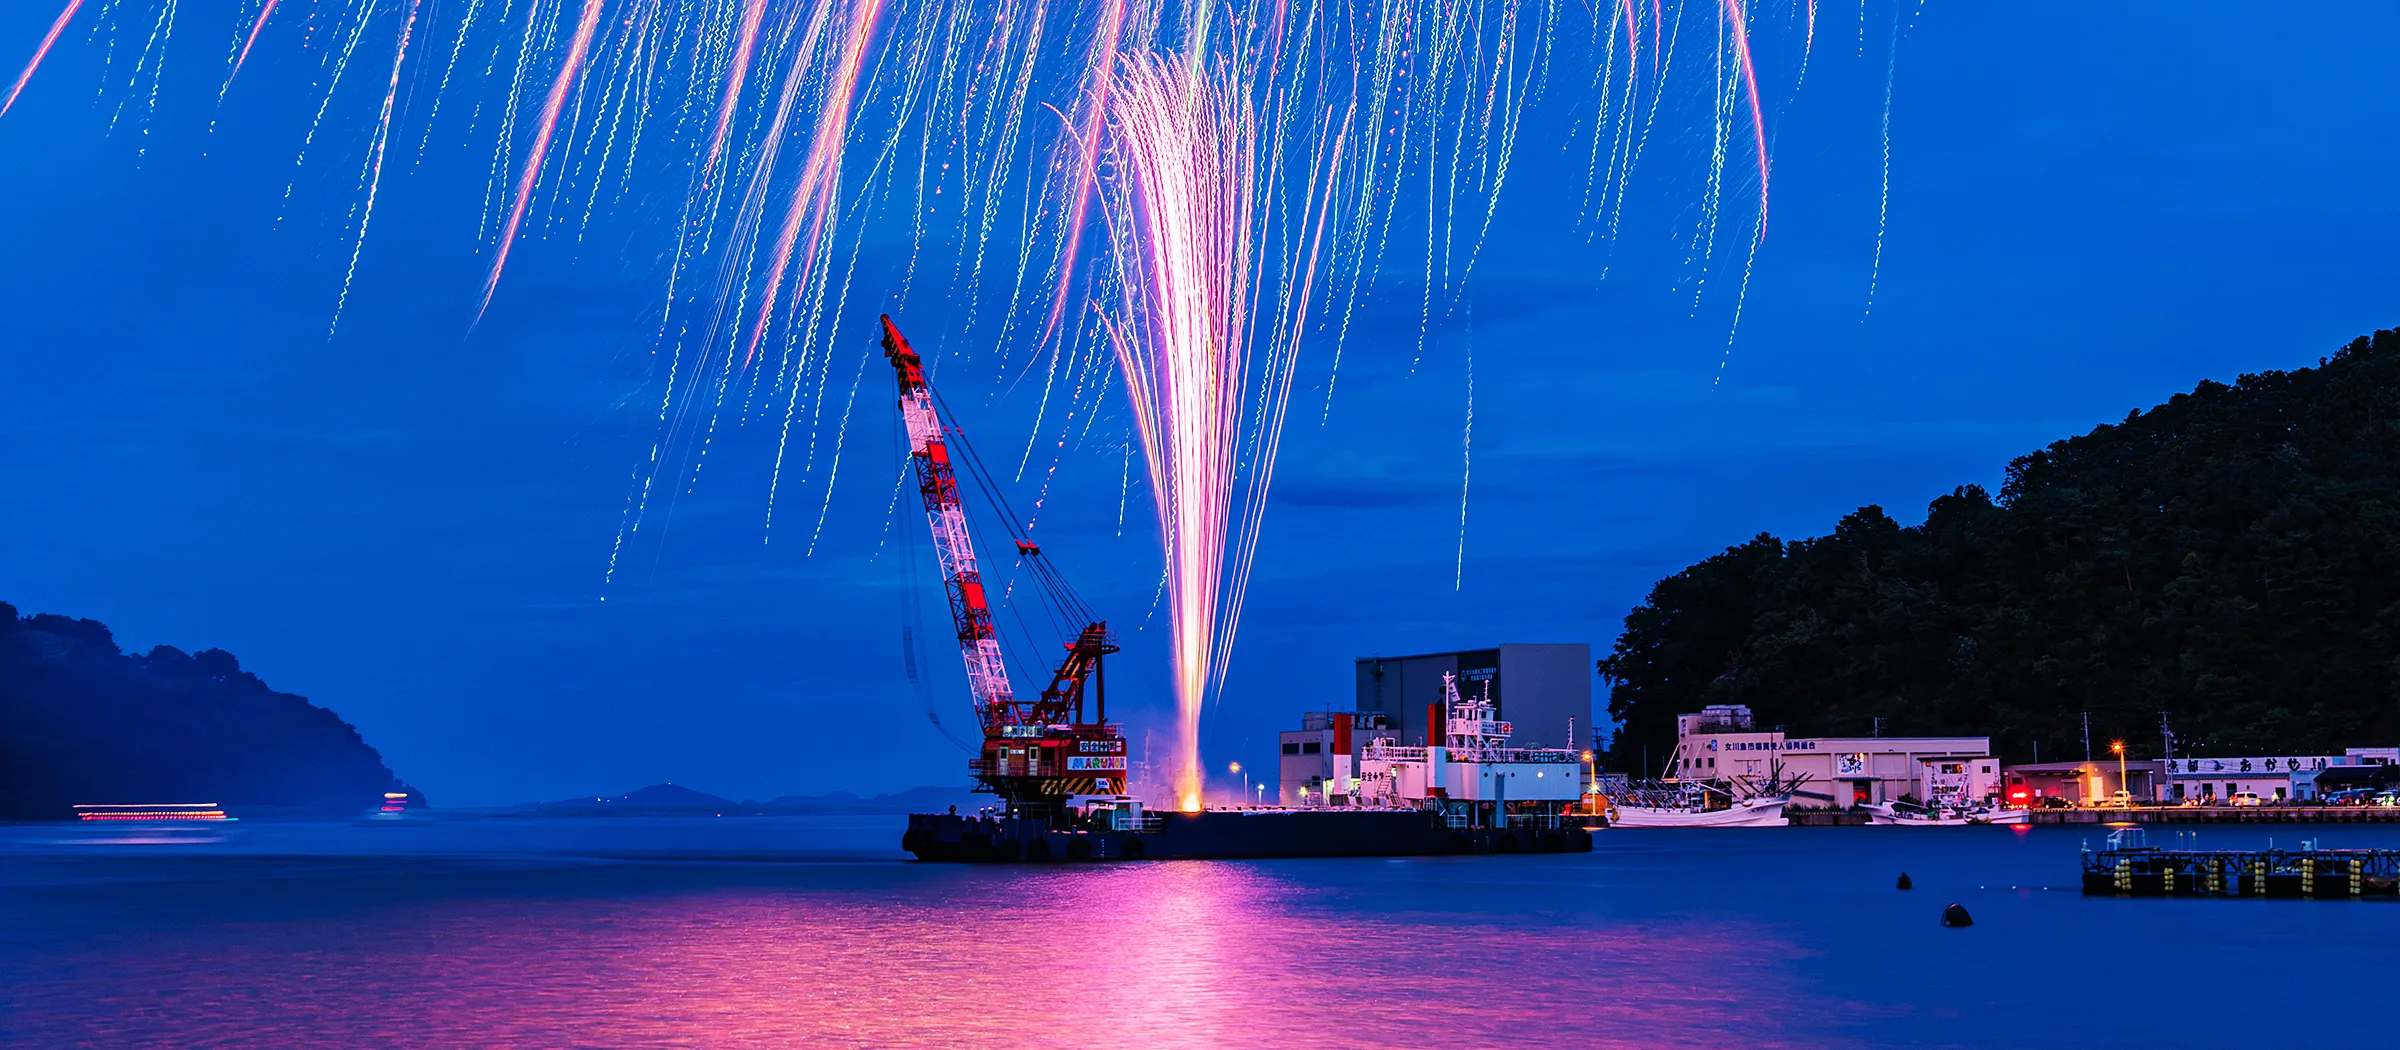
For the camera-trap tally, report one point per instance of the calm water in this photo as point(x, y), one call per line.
point(815, 932)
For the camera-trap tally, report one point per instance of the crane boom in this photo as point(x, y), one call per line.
point(937, 483)
point(1036, 756)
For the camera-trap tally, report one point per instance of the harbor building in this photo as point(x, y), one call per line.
point(2270, 777)
point(2083, 784)
point(1545, 691)
point(1324, 751)
point(1722, 744)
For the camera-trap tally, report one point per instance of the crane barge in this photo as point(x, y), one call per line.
point(1061, 779)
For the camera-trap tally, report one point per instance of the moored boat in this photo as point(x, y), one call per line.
point(1747, 813)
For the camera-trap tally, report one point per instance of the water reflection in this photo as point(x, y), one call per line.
point(1168, 954)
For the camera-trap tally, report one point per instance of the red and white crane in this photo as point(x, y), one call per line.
point(937, 482)
point(1035, 755)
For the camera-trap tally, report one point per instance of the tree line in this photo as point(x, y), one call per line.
point(2230, 558)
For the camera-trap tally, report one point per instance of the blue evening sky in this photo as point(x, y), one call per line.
point(2093, 206)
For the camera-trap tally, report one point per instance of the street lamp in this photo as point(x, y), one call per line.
point(1591, 781)
point(1236, 767)
point(2118, 746)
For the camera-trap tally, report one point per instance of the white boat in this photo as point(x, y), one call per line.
point(1748, 813)
point(1891, 815)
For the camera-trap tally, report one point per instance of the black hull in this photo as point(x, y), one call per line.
point(1229, 834)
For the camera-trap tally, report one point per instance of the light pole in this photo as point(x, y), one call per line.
point(2118, 746)
point(1591, 781)
point(1236, 767)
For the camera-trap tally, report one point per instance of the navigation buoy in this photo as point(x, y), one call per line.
point(1904, 883)
point(1956, 915)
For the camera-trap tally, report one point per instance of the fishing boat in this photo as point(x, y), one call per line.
point(1692, 805)
point(1748, 813)
point(1940, 815)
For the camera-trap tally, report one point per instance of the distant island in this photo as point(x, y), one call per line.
point(675, 800)
point(2230, 558)
point(82, 722)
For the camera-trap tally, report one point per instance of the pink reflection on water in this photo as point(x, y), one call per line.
point(1178, 954)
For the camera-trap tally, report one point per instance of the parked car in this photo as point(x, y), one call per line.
point(2246, 798)
point(2350, 797)
point(2055, 802)
point(2120, 799)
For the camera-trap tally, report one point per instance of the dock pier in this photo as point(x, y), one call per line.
point(2220, 815)
point(2128, 869)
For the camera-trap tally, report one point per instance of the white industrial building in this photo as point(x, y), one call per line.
point(2269, 777)
point(1722, 744)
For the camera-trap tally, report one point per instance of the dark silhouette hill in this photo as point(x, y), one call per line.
point(2230, 558)
point(82, 722)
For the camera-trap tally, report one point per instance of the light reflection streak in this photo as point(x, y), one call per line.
point(1415, 953)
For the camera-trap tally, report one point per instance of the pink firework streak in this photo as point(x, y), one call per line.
point(255, 29)
point(1104, 53)
point(1758, 120)
point(1186, 223)
point(559, 90)
point(39, 53)
point(733, 88)
point(820, 174)
point(1633, 31)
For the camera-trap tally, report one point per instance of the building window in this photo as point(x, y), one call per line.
point(1290, 748)
point(1309, 747)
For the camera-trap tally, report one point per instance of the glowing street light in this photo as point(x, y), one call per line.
point(1236, 767)
point(2118, 746)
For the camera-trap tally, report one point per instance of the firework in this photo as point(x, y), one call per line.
point(1186, 188)
point(40, 52)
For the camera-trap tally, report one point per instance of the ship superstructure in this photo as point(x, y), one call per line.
point(1473, 777)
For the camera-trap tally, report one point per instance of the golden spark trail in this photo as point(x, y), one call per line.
point(39, 53)
point(559, 90)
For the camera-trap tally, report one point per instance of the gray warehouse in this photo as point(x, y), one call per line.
point(1543, 689)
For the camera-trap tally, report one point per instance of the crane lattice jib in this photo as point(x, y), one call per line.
point(987, 675)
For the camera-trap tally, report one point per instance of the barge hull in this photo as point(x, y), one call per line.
point(1229, 834)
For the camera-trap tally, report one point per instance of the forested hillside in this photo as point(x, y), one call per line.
point(82, 722)
point(2231, 557)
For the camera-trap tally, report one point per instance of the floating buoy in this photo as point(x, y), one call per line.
point(1904, 883)
point(1956, 915)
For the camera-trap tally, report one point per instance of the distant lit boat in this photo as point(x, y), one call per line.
point(156, 812)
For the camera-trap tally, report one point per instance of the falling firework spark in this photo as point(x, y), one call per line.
point(373, 176)
point(264, 12)
point(1176, 226)
point(559, 89)
point(40, 52)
